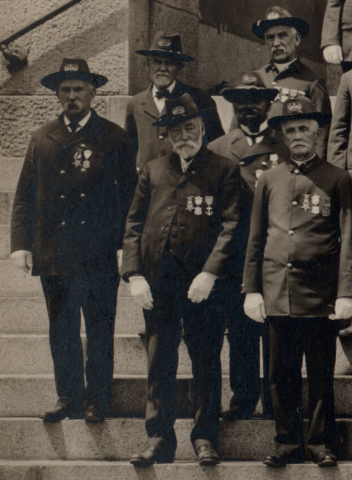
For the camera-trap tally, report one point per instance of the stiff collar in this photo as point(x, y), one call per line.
point(306, 166)
point(170, 88)
point(81, 123)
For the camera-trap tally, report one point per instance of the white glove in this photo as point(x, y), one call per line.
point(22, 259)
point(333, 54)
point(201, 287)
point(140, 291)
point(343, 309)
point(119, 260)
point(254, 307)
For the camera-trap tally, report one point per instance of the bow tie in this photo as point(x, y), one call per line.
point(163, 94)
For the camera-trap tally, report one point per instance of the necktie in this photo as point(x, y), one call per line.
point(163, 94)
point(73, 126)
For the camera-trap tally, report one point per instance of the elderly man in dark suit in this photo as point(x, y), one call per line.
point(69, 213)
point(165, 61)
point(299, 257)
point(178, 242)
point(336, 35)
point(282, 34)
point(256, 148)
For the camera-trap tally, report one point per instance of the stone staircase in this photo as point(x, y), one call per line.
point(74, 450)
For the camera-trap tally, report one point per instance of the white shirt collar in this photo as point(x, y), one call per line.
point(169, 88)
point(249, 135)
point(283, 66)
point(160, 102)
point(81, 123)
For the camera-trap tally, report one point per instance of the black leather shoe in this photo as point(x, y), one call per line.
point(60, 412)
point(93, 415)
point(324, 459)
point(207, 456)
point(235, 413)
point(282, 459)
point(153, 454)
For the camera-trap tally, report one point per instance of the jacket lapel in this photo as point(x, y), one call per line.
point(149, 104)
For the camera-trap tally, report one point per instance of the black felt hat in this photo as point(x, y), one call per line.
point(73, 69)
point(167, 46)
point(279, 16)
point(298, 108)
point(251, 86)
point(178, 110)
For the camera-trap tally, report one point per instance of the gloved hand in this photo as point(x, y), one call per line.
point(22, 259)
point(140, 291)
point(119, 260)
point(254, 307)
point(333, 54)
point(201, 287)
point(343, 309)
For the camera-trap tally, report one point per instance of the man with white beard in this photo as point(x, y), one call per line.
point(179, 240)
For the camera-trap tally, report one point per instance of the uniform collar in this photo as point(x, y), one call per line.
point(306, 166)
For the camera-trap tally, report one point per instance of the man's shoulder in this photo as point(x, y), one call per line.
point(108, 126)
point(219, 162)
point(140, 96)
point(47, 127)
point(225, 141)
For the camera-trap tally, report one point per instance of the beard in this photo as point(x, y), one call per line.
point(187, 149)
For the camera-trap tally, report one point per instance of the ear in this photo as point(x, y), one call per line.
point(93, 93)
point(319, 135)
point(298, 40)
point(203, 129)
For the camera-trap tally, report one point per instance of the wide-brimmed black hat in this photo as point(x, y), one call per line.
point(279, 16)
point(178, 110)
point(167, 46)
point(73, 69)
point(251, 87)
point(298, 108)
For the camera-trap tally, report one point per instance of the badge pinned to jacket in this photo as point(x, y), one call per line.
point(81, 157)
point(194, 204)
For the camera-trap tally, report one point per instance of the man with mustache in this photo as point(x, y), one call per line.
point(179, 239)
point(297, 277)
point(283, 34)
point(165, 61)
point(69, 213)
point(256, 148)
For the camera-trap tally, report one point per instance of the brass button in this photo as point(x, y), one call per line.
point(62, 172)
point(83, 222)
point(63, 223)
point(290, 266)
point(161, 137)
point(294, 203)
point(169, 208)
point(62, 196)
point(296, 171)
point(162, 228)
point(83, 195)
point(83, 170)
point(170, 250)
point(291, 232)
point(264, 164)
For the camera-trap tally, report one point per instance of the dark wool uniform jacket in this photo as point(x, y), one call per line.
point(337, 26)
point(73, 196)
point(150, 142)
point(166, 200)
point(299, 250)
point(340, 144)
point(295, 80)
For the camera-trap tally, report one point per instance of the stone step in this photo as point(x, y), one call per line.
point(108, 470)
point(30, 395)
point(28, 315)
point(30, 355)
point(118, 439)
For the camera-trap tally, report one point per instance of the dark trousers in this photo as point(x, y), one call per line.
point(203, 334)
point(96, 295)
point(244, 341)
point(289, 339)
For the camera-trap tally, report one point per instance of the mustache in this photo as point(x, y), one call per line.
point(72, 106)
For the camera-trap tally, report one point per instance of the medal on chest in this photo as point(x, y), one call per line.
point(306, 202)
point(81, 158)
point(194, 204)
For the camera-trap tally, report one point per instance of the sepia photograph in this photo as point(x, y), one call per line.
point(175, 240)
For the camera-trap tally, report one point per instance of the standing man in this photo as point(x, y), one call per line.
point(69, 214)
point(165, 61)
point(282, 34)
point(299, 257)
point(336, 36)
point(256, 149)
point(178, 241)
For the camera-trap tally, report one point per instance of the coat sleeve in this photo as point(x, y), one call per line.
point(345, 220)
point(320, 97)
point(252, 275)
point(340, 127)
point(131, 128)
point(331, 25)
point(137, 215)
point(24, 207)
point(230, 205)
point(127, 179)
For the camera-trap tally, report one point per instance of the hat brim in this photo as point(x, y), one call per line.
point(276, 123)
point(235, 94)
point(181, 57)
point(52, 80)
point(170, 122)
point(299, 24)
